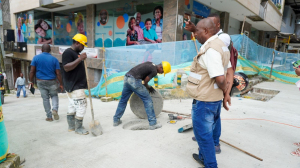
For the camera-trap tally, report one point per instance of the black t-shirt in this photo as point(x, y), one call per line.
point(75, 79)
point(143, 70)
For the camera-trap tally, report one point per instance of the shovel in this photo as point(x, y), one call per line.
point(95, 126)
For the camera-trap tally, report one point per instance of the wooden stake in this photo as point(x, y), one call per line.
point(171, 112)
point(104, 67)
point(273, 56)
point(242, 150)
point(194, 38)
point(242, 32)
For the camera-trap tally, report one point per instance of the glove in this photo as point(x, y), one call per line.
point(151, 90)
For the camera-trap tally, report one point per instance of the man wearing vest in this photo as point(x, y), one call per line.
point(207, 85)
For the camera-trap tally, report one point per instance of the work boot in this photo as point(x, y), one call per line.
point(117, 123)
point(71, 122)
point(55, 115)
point(49, 119)
point(156, 126)
point(79, 129)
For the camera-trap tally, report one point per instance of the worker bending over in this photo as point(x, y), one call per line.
point(133, 83)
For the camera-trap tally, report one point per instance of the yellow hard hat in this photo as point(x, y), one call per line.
point(81, 39)
point(166, 67)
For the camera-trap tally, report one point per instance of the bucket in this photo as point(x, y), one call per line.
point(3, 137)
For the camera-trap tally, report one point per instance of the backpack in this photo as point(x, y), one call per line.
point(233, 54)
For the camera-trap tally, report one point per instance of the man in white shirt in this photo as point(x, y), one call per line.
point(226, 40)
point(20, 84)
point(222, 36)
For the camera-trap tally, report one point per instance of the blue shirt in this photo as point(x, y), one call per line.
point(45, 65)
point(150, 34)
point(154, 24)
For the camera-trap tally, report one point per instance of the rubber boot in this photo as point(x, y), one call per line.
point(79, 129)
point(71, 122)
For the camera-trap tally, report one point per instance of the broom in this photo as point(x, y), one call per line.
point(95, 126)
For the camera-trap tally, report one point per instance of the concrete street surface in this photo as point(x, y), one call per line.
point(265, 129)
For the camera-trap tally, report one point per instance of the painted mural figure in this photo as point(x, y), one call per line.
point(103, 17)
point(44, 31)
point(19, 34)
point(132, 35)
point(79, 23)
point(157, 22)
point(150, 34)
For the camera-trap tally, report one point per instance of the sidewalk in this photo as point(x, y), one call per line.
point(265, 129)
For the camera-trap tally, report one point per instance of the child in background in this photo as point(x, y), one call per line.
point(132, 36)
point(150, 34)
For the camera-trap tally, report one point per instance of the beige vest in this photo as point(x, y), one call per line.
point(200, 86)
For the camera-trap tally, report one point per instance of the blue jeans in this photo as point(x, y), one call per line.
point(19, 90)
point(207, 127)
point(135, 85)
point(48, 89)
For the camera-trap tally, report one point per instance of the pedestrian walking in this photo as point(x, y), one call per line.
point(207, 85)
point(75, 83)
point(133, 83)
point(20, 85)
point(47, 69)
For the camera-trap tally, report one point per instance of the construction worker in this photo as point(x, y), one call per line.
point(207, 86)
point(133, 83)
point(75, 83)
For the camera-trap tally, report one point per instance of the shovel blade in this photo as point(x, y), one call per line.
point(96, 128)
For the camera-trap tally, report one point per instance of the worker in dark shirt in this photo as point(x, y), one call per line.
point(133, 83)
point(75, 83)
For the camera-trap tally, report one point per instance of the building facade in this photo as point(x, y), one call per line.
point(56, 21)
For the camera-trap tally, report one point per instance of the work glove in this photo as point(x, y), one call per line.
point(151, 90)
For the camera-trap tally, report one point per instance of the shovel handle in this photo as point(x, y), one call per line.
point(90, 97)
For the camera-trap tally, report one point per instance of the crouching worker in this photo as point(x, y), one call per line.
point(207, 85)
point(133, 83)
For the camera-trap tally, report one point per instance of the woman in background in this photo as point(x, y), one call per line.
point(157, 22)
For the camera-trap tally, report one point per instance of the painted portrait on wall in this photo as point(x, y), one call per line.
point(103, 15)
point(79, 22)
point(19, 33)
point(43, 31)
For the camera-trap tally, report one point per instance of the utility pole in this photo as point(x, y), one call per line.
point(5, 6)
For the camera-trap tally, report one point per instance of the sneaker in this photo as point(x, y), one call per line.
point(196, 157)
point(296, 152)
point(117, 123)
point(156, 126)
point(218, 149)
point(55, 115)
point(297, 144)
point(49, 119)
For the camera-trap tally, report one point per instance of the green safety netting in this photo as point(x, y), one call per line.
point(253, 60)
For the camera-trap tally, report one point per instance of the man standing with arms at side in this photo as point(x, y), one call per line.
point(47, 69)
point(75, 83)
point(20, 84)
point(207, 85)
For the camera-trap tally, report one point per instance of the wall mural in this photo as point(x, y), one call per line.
point(125, 29)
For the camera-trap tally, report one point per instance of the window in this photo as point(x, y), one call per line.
point(67, 24)
point(112, 20)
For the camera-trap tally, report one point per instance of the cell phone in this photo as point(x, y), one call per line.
point(296, 64)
